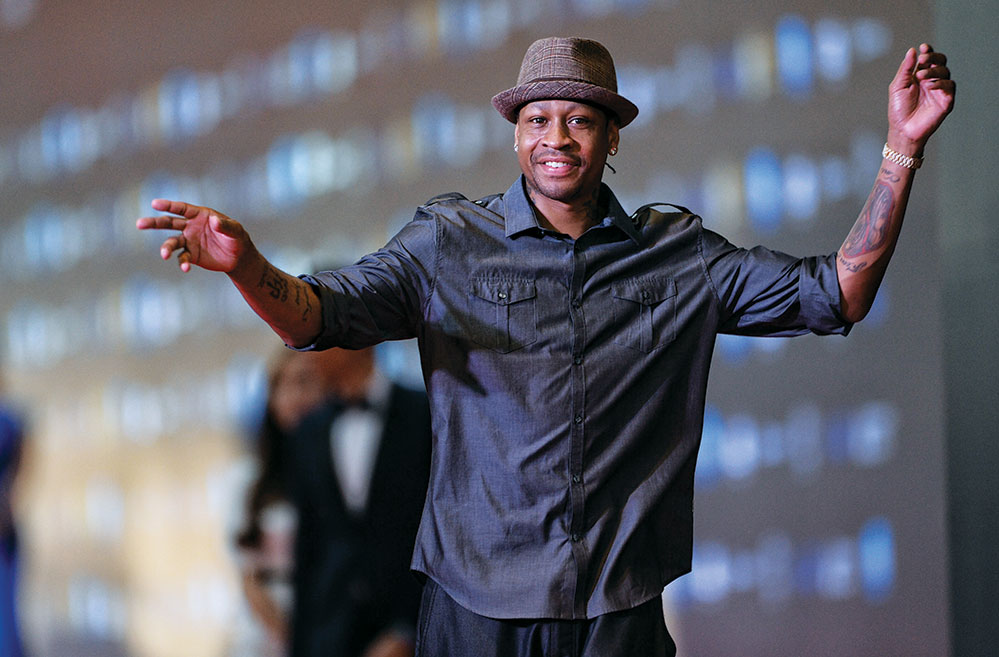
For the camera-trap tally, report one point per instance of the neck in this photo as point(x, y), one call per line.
point(571, 218)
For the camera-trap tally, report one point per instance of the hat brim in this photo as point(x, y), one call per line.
point(509, 102)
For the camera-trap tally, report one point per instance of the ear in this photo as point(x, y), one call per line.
point(613, 134)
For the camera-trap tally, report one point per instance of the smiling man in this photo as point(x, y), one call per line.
point(565, 347)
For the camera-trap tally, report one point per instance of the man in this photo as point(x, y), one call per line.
point(565, 348)
point(358, 470)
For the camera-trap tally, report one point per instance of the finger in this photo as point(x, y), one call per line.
point(931, 59)
point(948, 86)
point(177, 207)
point(162, 223)
point(937, 72)
point(184, 260)
point(170, 245)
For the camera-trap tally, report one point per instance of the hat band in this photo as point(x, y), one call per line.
point(561, 78)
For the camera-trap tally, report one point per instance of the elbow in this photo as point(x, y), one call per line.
point(855, 310)
point(855, 317)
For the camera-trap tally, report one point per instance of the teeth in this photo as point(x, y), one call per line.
point(556, 165)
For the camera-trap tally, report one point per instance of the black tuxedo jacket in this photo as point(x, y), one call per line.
point(352, 579)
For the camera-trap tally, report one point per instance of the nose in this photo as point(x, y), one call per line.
point(557, 136)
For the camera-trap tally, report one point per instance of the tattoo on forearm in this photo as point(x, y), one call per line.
point(272, 281)
point(890, 175)
point(852, 266)
point(870, 233)
point(300, 298)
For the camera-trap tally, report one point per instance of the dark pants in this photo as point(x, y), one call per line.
point(446, 629)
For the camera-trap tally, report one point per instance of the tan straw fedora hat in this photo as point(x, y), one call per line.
point(566, 69)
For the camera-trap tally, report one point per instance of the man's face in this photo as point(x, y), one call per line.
point(562, 146)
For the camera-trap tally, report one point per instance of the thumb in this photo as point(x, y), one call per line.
point(906, 70)
point(222, 224)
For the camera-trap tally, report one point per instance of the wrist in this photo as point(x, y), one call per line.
point(901, 160)
point(905, 146)
point(249, 266)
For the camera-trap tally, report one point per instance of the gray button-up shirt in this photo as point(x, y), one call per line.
point(567, 382)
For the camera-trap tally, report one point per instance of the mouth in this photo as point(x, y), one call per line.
point(557, 167)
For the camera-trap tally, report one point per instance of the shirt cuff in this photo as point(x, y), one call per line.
point(821, 300)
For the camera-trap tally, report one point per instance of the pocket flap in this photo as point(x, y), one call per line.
point(646, 291)
point(503, 290)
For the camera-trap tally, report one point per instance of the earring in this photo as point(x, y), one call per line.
point(516, 147)
point(613, 151)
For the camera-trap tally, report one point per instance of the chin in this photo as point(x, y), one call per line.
point(563, 193)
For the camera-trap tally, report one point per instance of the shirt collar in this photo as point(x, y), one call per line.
point(519, 214)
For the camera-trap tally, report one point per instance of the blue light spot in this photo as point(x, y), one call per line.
point(711, 573)
point(801, 188)
point(764, 190)
point(733, 348)
point(877, 560)
point(794, 56)
point(708, 470)
point(833, 50)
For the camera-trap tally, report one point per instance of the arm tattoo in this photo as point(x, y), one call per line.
point(889, 175)
point(277, 286)
point(852, 266)
point(300, 298)
point(870, 232)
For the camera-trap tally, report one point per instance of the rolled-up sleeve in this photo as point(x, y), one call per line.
point(383, 295)
point(768, 293)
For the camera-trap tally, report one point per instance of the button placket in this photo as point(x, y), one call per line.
point(576, 517)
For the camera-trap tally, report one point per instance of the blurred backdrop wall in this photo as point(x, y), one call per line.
point(821, 509)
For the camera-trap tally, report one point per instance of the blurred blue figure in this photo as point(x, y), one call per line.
point(11, 441)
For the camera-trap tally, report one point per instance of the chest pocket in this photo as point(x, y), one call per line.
point(503, 313)
point(644, 312)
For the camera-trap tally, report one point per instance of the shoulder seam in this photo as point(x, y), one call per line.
point(704, 264)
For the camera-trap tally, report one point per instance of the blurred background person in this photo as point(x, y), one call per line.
point(359, 467)
point(11, 447)
point(295, 386)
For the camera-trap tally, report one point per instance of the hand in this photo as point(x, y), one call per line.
point(919, 98)
point(207, 238)
point(390, 644)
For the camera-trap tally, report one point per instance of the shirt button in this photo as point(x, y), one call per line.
point(576, 479)
point(502, 295)
point(578, 360)
point(577, 419)
point(576, 303)
point(576, 538)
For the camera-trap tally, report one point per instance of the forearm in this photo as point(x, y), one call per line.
point(287, 303)
point(920, 96)
point(863, 258)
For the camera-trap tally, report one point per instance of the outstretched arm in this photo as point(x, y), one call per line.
point(919, 98)
point(213, 241)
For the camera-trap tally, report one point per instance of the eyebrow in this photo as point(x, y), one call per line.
point(544, 106)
